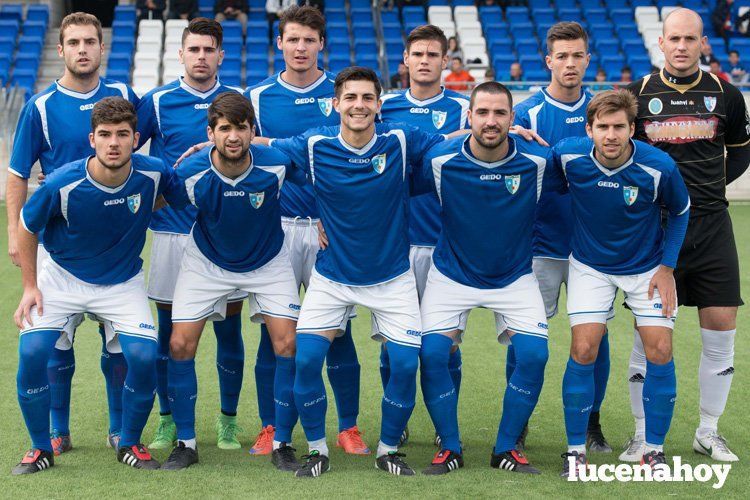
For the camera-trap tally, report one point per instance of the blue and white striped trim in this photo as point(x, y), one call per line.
point(588, 312)
point(136, 335)
point(277, 315)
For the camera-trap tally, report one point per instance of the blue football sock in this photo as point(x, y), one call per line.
point(398, 399)
point(283, 394)
point(510, 363)
point(115, 369)
point(385, 366)
point(60, 369)
point(343, 374)
point(659, 393)
point(265, 369)
point(162, 384)
point(454, 367)
point(230, 361)
point(440, 395)
point(578, 397)
point(523, 389)
point(309, 390)
point(601, 373)
point(183, 393)
point(139, 386)
point(32, 383)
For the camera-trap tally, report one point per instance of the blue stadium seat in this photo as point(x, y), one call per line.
point(336, 17)
point(601, 30)
point(257, 15)
point(630, 45)
point(438, 3)
point(232, 29)
point(616, 4)
point(26, 61)
point(612, 64)
point(544, 16)
point(337, 32)
point(230, 65)
point(570, 14)
point(12, 11)
point(392, 33)
point(359, 4)
point(739, 44)
point(413, 14)
point(523, 30)
point(536, 75)
point(34, 28)
point(640, 3)
point(502, 61)
point(596, 15)
point(256, 43)
point(339, 48)
point(538, 4)
point(362, 17)
point(627, 30)
point(496, 30)
point(501, 46)
point(37, 13)
point(566, 4)
point(527, 46)
point(492, 14)
point(456, 3)
point(119, 75)
point(231, 78)
point(607, 47)
point(126, 13)
point(232, 47)
point(389, 16)
point(257, 28)
point(258, 4)
point(119, 62)
point(518, 15)
point(367, 60)
point(7, 45)
point(542, 29)
point(30, 44)
point(532, 63)
point(8, 28)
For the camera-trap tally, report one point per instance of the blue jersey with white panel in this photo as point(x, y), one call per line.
point(487, 210)
point(283, 110)
point(54, 125)
point(175, 117)
point(442, 114)
point(553, 121)
point(362, 195)
point(95, 232)
point(617, 212)
point(238, 226)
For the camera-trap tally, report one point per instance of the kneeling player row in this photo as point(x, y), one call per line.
point(95, 212)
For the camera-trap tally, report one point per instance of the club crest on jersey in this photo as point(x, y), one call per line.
point(630, 193)
point(439, 118)
point(710, 102)
point(378, 163)
point(512, 183)
point(256, 199)
point(326, 105)
point(134, 202)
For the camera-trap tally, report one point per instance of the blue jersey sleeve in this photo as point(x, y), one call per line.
point(554, 177)
point(43, 205)
point(147, 126)
point(133, 97)
point(422, 180)
point(28, 143)
point(418, 143)
point(172, 189)
point(296, 149)
point(674, 197)
point(522, 118)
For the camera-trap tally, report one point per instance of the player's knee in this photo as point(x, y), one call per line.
point(435, 351)
point(584, 351)
point(285, 345)
point(182, 348)
point(660, 352)
point(404, 367)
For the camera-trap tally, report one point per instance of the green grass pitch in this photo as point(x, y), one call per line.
point(90, 470)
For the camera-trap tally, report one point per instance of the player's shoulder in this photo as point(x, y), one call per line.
point(534, 99)
point(269, 83)
point(266, 155)
point(148, 163)
point(193, 164)
point(118, 89)
point(574, 145)
point(173, 85)
point(229, 88)
point(637, 86)
point(67, 174)
point(41, 96)
point(452, 146)
point(729, 89)
point(393, 97)
point(653, 157)
point(529, 147)
point(455, 96)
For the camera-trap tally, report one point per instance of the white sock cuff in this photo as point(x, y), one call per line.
point(384, 449)
point(718, 345)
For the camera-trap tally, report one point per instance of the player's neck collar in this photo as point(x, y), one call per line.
point(424, 102)
point(102, 187)
point(574, 106)
point(612, 171)
point(466, 151)
point(197, 93)
point(78, 95)
point(359, 151)
point(229, 180)
point(680, 83)
point(301, 90)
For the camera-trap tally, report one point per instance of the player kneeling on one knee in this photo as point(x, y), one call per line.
point(619, 187)
point(237, 245)
point(94, 213)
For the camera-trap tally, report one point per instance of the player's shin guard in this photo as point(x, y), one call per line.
point(715, 374)
point(265, 369)
point(32, 382)
point(139, 387)
point(115, 368)
point(183, 392)
point(659, 394)
point(601, 372)
point(283, 395)
point(309, 390)
point(164, 317)
point(230, 361)
point(343, 374)
point(636, 376)
point(578, 398)
point(523, 389)
point(399, 396)
point(510, 363)
point(454, 367)
point(440, 395)
point(60, 369)
point(385, 366)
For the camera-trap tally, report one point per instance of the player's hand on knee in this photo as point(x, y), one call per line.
point(31, 297)
point(663, 280)
point(322, 236)
point(191, 151)
point(528, 134)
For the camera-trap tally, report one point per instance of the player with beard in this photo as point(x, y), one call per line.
point(53, 129)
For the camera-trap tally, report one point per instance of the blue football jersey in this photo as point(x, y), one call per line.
point(442, 114)
point(553, 121)
point(362, 196)
point(283, 110)
point(238, 226)
point(617, 212)
point(175, 117)
point(95, 232)
point(54, 126)
point(487, 210)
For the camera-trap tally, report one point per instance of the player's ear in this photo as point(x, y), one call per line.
point(632, 129)
point(91, 140)
point(210, 134)
point(406, 58)
point(179, 55)
point(335, 102)
point(136, 139)
point(548, 61)
point(221, 56)
point(445, 62)
point(512, 117)
point(278, 42)
point(589, 132)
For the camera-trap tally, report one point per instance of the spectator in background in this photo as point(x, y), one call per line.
point(707, 55)
point(601, 76)
point(716, 70)
point(232, 10)
point(318, 4)
point(458, 79)
point(489, 75)
point(150, 9)
point(736, 69)
point(453, 50)
point(183, 9)
point(516, 72)
point(626, 74)
point(400, 80)
point(721, 19)
point(274, 8)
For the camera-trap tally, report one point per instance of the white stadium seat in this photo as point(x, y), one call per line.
point(152, 27)
point(666, 10)
point(437, 18)
point(472, 32)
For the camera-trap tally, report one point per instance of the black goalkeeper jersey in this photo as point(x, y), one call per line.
point(693, 119)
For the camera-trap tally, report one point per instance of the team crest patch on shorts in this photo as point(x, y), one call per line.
point(134, 202)
point(512, 183)
point(378, 163)
point(439, 118)
point(256, 199)
point(630, 193)
point(326, 105)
